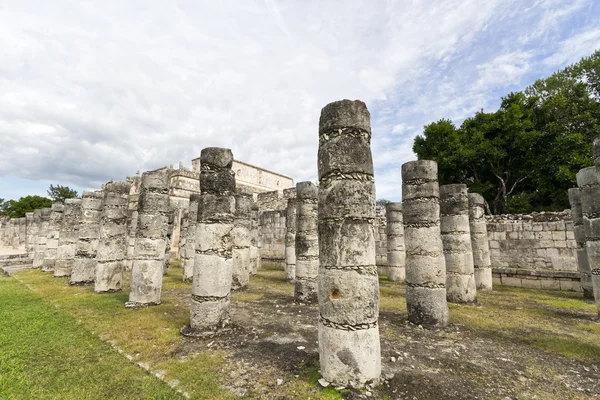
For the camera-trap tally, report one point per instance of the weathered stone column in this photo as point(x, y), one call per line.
point(56, 215)
point(173, 211)
point(209, 307)
point(241, 242)
point(349, 348)
point(396, 252)
point(290, 241)
point(456, 239)
point(67, 240)
point(425, 263)
point(597, 156)
point(111, 254)
point(254, 240)
point(132, 217)
point(590, 207)
point(84, 264)
point(307, 243)
point(32, 228)
point(190, 238)
point(42, 237)
point(23, 232)
point(479, 242)
point(579, 232)
point(151, 239)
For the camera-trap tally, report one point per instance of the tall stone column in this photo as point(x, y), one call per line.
point(67, 240)
point(307, 243)
point(597, 156)
point(23, 232)
point(396, 252)
point(254, 239)
point(425, 263)
point(132, 217)
point(111, 254)
point(456, 239)
point(579, 231)
point(151, 239)
point(349, 348)
point(84, 264)
point(479, 242)
point(241, 242)
point(190, 238)
point(42, 237)
point(590, 207)
point(54, 224)
point(173, 211)
point(290, 240)
point(32, 228)
point(209, 306)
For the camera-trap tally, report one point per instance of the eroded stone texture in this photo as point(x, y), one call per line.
point(348, 289)
point(307, 243)
point(42, 237)
point(84, 264)
point(579, 232)
point(241, 242)
point(456, 239)
point(479, 242)
point(425, 263)
point(211, 288)
point(590, 208)
point(290, 241)
point(67, 240)
point(132, 217)
point(151, 239)
point(396, 252)
point(111, 253)
point(254, 240)
point(56, 215)
point(173, 211)
point(33, 230)
point(190, 238)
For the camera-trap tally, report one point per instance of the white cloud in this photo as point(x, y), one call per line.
point(91, 91)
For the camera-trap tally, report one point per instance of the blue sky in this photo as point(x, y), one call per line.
point(93, 91)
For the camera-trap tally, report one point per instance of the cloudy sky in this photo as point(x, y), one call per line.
point(96, 90)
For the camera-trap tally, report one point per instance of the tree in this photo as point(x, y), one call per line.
point(18, 208)
point(382, 202)
point(524, 156)
point(59, 193)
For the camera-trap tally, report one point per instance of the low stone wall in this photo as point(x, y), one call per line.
point(537, 279)
point(537, 241)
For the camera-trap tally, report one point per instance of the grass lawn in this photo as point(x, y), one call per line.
point(45, 354)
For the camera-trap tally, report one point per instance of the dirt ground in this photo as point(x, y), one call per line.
point(273, 341)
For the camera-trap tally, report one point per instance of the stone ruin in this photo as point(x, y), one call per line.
point(330, 239)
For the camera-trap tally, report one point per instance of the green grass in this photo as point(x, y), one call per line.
point(45, 353)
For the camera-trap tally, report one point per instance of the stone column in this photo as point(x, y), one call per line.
point(67, 241)
point(349, 348)
point(241, 242)
point(479, 242)
point(84, 264)
point(32, 227)
point(111, 254)
point(290, 241)
point(173, 211)
point(190, 238)
point(42, 237)
point(254, 238)
point(151, 239)
point(396, 252)
point(597, 156)
point(579, 232)
point(209, 306)
point(23, 232)
point(56, 215)
point(456, 239)
point(307, 243)
point(590, 207)
point(425, 263)
point(132, 217)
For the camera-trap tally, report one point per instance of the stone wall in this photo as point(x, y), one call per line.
point(272, 231)
point(540, 241)
point(381, 239)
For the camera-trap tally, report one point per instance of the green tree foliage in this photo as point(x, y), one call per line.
point(382, 202)
point(18, 208)
point(59, 193)
point(524, 156)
